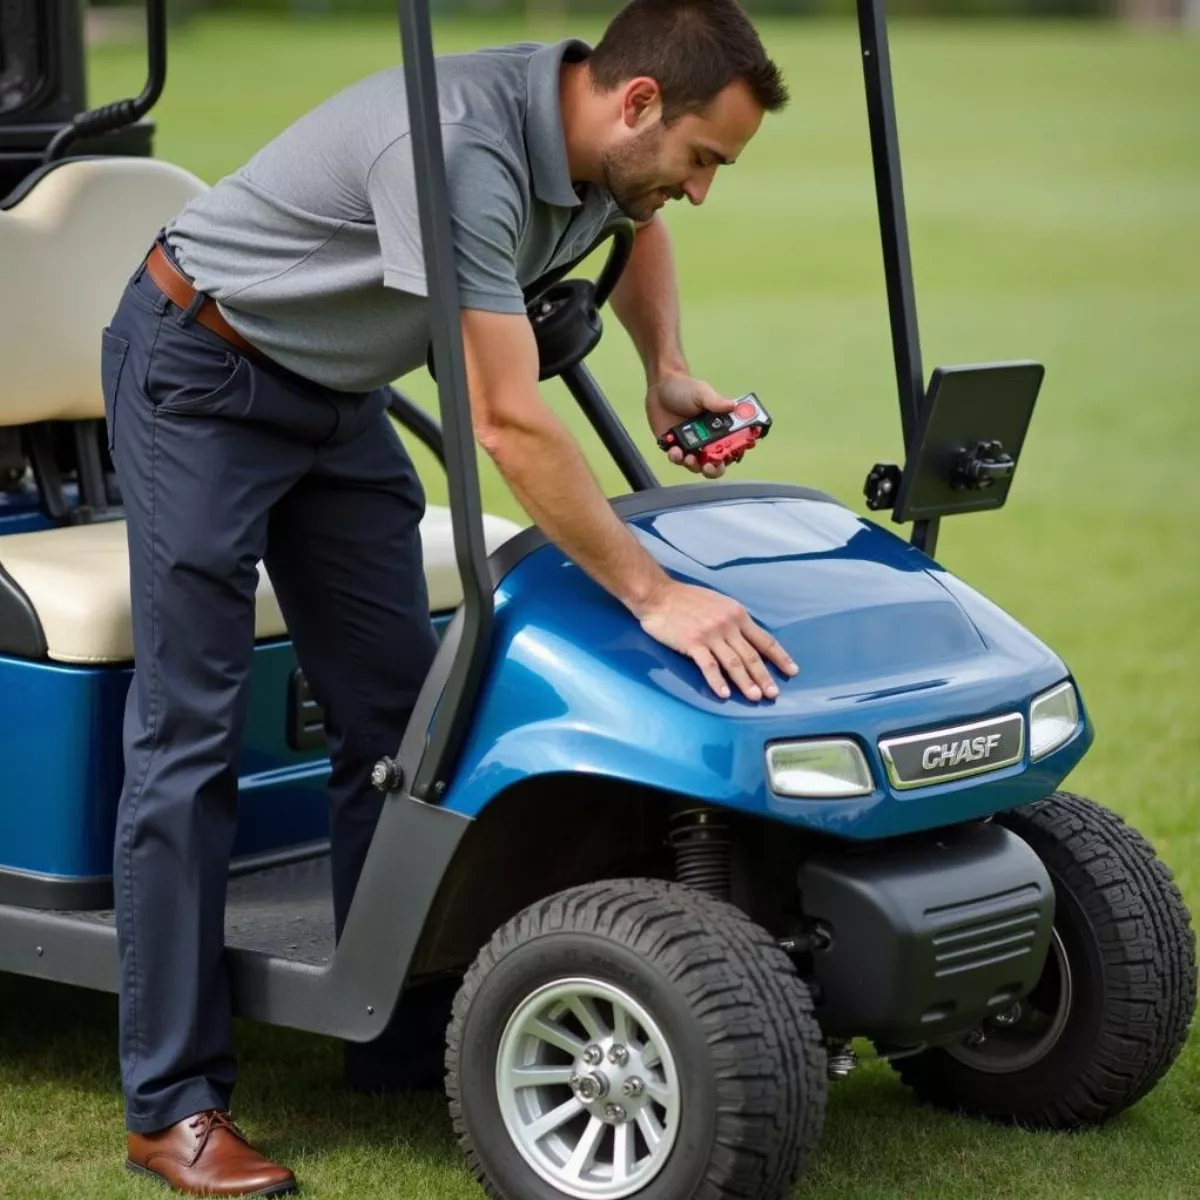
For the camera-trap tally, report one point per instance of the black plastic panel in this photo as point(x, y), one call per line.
point(21, 633)
point(94, 894)
point(967, 407)
point(305, 718)
point(280, 946)
point(28, 890)
point(927, 936)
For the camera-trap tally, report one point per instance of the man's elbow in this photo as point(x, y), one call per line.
point(500, 428)
point(490, 437)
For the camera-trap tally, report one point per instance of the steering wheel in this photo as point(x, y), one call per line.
point(622, 231)
point(565, 314)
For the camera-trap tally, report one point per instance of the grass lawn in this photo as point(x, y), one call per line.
point(1053, 181)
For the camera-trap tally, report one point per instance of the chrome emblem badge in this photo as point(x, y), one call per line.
point(939, 755)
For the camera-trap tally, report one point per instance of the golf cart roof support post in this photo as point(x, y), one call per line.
point(893, 227)
point(111, 117)
point(462, 477)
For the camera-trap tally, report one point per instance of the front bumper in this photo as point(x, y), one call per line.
point(922, 938)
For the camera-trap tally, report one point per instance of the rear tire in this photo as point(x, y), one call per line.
point(737, 1086)
point(1113, 1006)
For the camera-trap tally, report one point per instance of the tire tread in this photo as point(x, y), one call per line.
point(1148, 949)
point(743, 989)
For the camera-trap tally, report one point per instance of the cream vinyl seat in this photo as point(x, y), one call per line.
point(67, 247)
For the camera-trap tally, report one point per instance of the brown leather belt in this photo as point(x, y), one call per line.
point(178, 289)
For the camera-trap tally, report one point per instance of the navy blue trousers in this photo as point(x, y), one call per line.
point(223, 462)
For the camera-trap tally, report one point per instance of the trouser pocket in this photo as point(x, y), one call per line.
point(113, 351)
point(188, 374)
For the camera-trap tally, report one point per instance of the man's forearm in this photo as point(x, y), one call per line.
point(646, 301)
point(549, 476)
point(547, 473)
point(541, 462)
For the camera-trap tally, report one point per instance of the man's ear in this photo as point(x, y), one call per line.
point(641, 102)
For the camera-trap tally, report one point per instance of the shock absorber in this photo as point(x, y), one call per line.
point(703, 853)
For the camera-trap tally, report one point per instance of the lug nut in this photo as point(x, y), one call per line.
point(618, 1056)
point(614, 1112)
point(633, 1087)
point(593, 1086)
point(593, 1056)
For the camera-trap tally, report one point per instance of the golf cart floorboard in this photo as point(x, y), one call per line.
point(285, 911)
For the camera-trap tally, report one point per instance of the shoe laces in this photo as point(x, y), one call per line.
point(205, 1123)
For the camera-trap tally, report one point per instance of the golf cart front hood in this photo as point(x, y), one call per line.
point(887, 643)
point(850, 604)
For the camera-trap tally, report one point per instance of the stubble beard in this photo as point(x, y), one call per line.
point(629, 175)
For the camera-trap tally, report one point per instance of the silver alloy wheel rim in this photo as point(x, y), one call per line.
point(588, 1089)
point(1027, 1040)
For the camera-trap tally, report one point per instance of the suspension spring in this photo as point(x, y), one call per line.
point(703, 852)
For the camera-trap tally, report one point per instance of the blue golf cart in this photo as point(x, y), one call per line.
point(661, 923)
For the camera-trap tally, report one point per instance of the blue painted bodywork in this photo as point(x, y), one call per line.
point(61, 745)
point(888, 643)
point(60, 741)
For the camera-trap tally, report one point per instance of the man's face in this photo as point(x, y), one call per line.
point(651, 163)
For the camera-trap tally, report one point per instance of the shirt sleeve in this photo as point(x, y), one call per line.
point(486, 209)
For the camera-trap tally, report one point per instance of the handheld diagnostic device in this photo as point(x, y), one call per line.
point(720, 437)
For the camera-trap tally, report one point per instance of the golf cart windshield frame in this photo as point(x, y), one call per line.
point(454, 682)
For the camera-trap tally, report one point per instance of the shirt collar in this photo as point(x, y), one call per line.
point(544, 138)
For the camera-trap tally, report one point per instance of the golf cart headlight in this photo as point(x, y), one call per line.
point(826, 769)
point(1053, 718)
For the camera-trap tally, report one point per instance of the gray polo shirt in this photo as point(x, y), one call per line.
point(313, 248)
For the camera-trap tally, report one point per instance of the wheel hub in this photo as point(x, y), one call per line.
point(588, 1089)
point(1026, 1032)
point(625, 1073)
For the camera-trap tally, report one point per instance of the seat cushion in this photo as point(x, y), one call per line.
point(77, 581)
point(66, 250)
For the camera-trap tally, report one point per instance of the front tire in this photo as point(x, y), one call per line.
point(635, 1038)
point(1111, 1011)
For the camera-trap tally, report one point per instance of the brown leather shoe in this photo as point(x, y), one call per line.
point(207, 1155)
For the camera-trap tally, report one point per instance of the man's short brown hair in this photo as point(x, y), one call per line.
point(693, 49)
